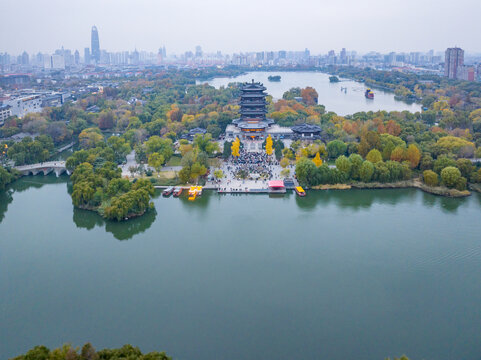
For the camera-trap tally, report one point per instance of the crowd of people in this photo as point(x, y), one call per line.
point(252, 165)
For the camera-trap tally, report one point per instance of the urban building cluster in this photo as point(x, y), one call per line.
point(94, 62)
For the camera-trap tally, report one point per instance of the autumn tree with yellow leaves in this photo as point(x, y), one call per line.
point(317, 160)
point(269, 145)
point(236, 147)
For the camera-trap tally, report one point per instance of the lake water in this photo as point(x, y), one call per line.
point(360, 274)
point(330, 94)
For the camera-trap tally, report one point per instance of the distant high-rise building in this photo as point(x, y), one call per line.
point(198, 51)
point(58, 62)
point(454, 59)
point(343, 56)
point(77, 57)
point(95, 45)
point(87, 56)
point(25, 58)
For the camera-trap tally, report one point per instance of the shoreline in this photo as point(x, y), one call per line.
point(406, 184)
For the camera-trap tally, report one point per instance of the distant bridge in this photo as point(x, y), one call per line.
point(57, 167)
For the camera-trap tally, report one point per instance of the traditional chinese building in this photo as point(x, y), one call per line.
point(253, 122)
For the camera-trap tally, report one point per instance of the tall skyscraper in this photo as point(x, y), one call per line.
point(95, 45)
point(86, 56)
point(454, 60)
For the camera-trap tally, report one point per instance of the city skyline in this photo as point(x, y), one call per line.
point(231, 28)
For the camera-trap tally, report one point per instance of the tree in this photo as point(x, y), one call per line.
point(156, 160)
point(344, 166)
point(88, 352)
point(441, 162)
point(366, 171)
point(285, 173)
point(184, 174)
point(288, 153)
point(336, 148)
point(466, 167)
point(227, 149)
point(284, 162)
point(269, 145)
point(374, 156)
point(120, 148)
point(356, 163)
point(317, 160)
point(453, 145)
point(204, 143)
point(106, 120)
point(82, 193)
point(413, 155)
point(450, 176)
point(426, 162)
point(309, 96)
point(219, 174)
point(398, 153)
point(159, 145)
point(430, 178)
point(236, 147)
point(90, 138)
point(306, 171)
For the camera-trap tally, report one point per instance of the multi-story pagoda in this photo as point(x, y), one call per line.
point(253, 109)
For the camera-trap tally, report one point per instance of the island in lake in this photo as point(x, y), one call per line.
point(334, 79)
point(275, 78)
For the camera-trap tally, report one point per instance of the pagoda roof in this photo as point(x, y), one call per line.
point(306, 128)
point(253, 86)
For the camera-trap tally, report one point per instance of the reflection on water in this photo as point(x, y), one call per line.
point(23, 184)
point(355, 200)
point(123, 230)
point(5, 199)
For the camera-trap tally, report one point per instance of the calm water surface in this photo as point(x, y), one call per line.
point(335, 275)
point(330, 94)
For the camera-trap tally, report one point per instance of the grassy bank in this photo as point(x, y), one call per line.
point(415, 183)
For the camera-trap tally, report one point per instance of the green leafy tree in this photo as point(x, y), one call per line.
point(336, 148)
point(156, 160)
point(450, 176)
point(374, 156)
point(366, 171)
point(306, 172)
point(356, 163)
point(344, 166)
point(227, 149)
point(442, 162)
point(120, 148)
point(430, 178)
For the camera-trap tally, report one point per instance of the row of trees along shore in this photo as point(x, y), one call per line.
point(88, 352)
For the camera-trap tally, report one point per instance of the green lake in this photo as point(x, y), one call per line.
point(358, 274)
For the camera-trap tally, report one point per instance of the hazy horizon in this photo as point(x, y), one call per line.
point(228, 26)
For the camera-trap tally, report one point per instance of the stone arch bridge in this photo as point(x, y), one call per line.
point(57, 167)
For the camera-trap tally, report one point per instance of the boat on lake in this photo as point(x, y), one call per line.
point(167, 192)
point(194, 191)
point(300, 191)
point(178, 190)
point(369, 94)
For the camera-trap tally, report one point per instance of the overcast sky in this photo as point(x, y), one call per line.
point(245, 25)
